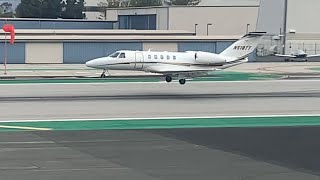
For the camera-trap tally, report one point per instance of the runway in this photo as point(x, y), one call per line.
point(171, 153)
point(144, 100)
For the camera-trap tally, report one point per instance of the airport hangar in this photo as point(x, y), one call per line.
point(178, 28)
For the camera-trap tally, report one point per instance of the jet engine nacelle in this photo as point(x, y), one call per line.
point(209, 58)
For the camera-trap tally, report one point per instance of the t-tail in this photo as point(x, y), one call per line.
point(243, 47)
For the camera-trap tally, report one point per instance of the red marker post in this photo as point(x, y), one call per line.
point(7, 28)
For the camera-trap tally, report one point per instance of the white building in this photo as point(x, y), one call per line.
point(203, 20)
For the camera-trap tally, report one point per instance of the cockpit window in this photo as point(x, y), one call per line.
point(122, 55)
point(114, 55)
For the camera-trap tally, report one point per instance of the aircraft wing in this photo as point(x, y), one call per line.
point(177, 69)
point(282, 55)
point(190, 70)
point(311, 56)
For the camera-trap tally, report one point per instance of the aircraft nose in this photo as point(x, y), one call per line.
point(91, 63)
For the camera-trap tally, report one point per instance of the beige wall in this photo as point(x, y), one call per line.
point(160, 47)
point(303, 16)
point(162, 18)
point(44, 52)
point(225, 20)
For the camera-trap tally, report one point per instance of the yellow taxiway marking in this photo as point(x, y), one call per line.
point(25, 128)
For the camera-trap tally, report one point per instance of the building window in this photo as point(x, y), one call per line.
point(174, 57)
point(156, 56)
point(149, 56)
point(138, 22)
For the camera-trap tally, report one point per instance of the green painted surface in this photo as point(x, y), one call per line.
point(217, 76)
point(236, 76)
point(315, 69)
point(171, 123)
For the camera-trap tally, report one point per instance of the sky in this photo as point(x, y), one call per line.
point(14, 3)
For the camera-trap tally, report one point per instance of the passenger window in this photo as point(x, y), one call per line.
point(161, 56)
point(149, 56)
point(174, 58)
point(168, 57)
point(122, 55)
point(156, 56)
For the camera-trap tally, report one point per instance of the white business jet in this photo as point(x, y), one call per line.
point(179, 65)
point(299, 54)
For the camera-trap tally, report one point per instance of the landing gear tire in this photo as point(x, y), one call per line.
point(182, 81)
point(168, 79)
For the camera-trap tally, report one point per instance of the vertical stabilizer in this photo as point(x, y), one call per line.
point(244, 46)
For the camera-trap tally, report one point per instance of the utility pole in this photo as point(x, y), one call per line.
point(285, 26)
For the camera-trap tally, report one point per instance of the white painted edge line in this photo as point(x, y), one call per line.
point(162, 82)
point(80, 83)
point(159, 118)
point(25, 128)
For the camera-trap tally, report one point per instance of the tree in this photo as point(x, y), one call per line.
point(51, 9)
point(182, 2)
point(145, 3)
point(39, 9)
point(29, 9)
point(73, 9)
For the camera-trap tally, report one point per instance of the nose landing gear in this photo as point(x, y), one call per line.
point(103, 75)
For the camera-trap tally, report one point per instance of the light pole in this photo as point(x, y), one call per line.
point(248, 28)
point(41, 5)
point(284, 40)
point(195, 28)
point(209, 24)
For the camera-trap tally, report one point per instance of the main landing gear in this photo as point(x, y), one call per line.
point(168, 79)
point(181, 81)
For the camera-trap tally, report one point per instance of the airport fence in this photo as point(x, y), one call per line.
point(276, 47)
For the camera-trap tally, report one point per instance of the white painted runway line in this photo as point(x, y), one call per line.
point(25, 128)
point(155, 118)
